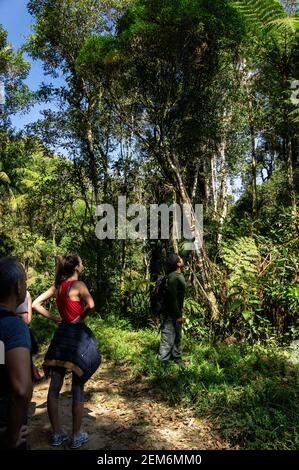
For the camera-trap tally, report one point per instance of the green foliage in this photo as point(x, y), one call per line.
point(195, 324)
point(249, 393)
point(242, 259)
point(262, 294)
point(100, 50)
point(155, 93)
point(158, 93)
point(13, 70)
point(270, 17)
point(137, 301)
point(281, 299)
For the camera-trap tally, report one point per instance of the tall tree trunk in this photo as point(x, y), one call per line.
point(92, 163)
point(207, 183)
point(94, 181)
point(174, 232)
point(290, 174)
point(246, 81)
point(201, 256)
point(253, 159)
point(214, 184)
point(195, 183)
point(54, 239)
point(123, 298)
point(223, 191)
point(146, 261)
point(288, 153)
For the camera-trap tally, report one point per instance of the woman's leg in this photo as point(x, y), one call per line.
point(78, 404)
point(57, 377)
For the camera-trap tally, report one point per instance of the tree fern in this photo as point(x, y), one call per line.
point(289, 23)
point(270, 21)
point(269, 18)
point(261, 11)
point(242, 258)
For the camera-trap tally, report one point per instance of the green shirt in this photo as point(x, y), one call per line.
point(176, 286)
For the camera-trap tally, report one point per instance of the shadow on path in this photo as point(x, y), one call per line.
point(122, 415)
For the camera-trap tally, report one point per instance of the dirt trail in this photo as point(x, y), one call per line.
point(122, 415)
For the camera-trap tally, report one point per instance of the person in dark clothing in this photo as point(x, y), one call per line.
point(24, 312)
point(172, 319)
point(15, 373)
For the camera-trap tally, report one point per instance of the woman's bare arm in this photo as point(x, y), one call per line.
point(29, 313)
point(87, 297)
point(38, 304)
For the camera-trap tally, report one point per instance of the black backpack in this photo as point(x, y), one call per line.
point(158, 296)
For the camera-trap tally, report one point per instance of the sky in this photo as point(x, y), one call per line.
point(16, 20)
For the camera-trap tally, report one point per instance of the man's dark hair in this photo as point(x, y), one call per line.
point(171, 263)
point(11, 272)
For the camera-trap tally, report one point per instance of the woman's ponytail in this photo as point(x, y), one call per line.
point(65, 268)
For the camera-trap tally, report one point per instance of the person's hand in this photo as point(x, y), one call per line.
point(23, 434)
point(180, 320)
point(78, 320)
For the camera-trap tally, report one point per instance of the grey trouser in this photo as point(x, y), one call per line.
point(170, 342)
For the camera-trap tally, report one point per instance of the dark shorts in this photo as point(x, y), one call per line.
point(74, 347)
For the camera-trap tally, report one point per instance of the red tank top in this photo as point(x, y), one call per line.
point(69, 309)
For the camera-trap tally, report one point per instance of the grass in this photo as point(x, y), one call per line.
point(249, 393)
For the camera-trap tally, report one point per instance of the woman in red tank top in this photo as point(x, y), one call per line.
point(74, 303)
point(70, 310)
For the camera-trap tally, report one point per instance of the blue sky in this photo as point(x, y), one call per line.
point(16, 21)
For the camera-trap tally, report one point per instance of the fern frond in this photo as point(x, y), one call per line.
point(19, 199)
point(4, 178)
point(267, 16)
point(295, 115)
point(290, 23)
point(242, 258)
point(26, 173)
point(261, 11)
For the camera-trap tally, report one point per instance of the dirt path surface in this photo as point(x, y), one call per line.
point(122, 415)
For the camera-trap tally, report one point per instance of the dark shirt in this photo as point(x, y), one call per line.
point(176, 286)
point(14, 333)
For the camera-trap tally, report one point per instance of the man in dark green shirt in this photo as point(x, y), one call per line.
point(171, 320)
